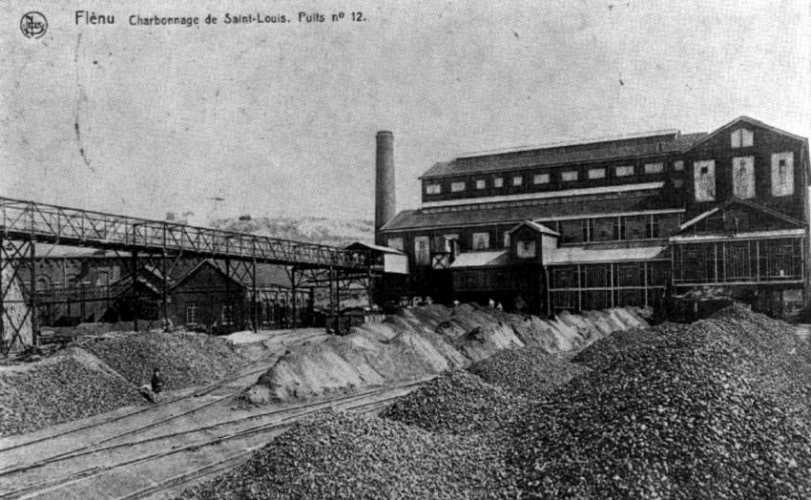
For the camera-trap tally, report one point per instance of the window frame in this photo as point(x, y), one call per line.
point(541, 178)
point(565, 173)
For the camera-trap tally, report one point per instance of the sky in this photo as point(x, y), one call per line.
point(280, 119)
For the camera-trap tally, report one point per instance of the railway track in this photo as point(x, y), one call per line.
point(206, 450)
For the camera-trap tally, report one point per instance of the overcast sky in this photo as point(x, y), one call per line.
point(280, 119)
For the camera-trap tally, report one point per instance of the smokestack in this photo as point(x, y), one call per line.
point(384, 179)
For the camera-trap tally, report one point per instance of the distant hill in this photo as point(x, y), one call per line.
point(322, 230)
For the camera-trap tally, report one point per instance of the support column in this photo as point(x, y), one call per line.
point(645, 282)
point(254, 315)
point(611, 276)
point(164, 292)
point(579, 289)
point(134, 291)
point(227, 305)
point(2, 296)
point(32, 295)
point(294, 309)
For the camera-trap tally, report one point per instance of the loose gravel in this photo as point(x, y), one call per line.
point(341, 455)
point(58, 391)
point(530, 372)
point(456, 402)
point(684, 412)
point(184, 359)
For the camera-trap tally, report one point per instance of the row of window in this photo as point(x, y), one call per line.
point(545, 177)
point(630, 227)
point(632, 274)
point(766, 260)
point(743, 177)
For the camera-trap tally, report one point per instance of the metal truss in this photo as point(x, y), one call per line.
point(20, 219)
point(140, 243)
point(17, 308)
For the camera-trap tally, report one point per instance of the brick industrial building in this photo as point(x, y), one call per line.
point(618, 221)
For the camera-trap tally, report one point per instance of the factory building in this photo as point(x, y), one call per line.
point(626, 220)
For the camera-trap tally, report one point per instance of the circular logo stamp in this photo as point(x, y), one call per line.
point(33, 24)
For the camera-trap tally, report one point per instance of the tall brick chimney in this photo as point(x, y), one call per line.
point(384, 180)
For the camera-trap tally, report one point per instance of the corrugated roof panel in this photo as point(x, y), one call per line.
point(584, 255)
point(566, 155)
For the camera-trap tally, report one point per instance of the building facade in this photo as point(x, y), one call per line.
point(620, 221)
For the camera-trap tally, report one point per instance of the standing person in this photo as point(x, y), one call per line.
point(157, 382)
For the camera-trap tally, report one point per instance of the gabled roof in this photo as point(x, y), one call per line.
point(750, 121)
point(747, 203)
point(480, 259)
point(637, 146)
point(511, 213)
point(196, 269)
point(535, 226)
point(585, 255)
point(359, 245)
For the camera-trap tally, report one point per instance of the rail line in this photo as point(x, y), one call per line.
point(144, 409)
point(285, 418)
point(226, 463)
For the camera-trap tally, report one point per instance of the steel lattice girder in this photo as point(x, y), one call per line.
point(20, 219)
point(14, 255)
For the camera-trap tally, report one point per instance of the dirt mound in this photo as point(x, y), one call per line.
point(604, 351)
point(530, 372)
point(338, 455)
point(687, 412)
point(66, 387)
point(456, 402)
point(185, 359)
point(422, 341)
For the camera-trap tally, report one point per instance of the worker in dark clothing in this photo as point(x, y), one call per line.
point(157, 382)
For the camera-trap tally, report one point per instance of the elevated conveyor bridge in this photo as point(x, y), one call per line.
point(24, 224)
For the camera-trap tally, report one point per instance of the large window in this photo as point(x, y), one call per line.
point(541, 179)
point(596, 173)
point(457, 186)
point(742, 138)
point(654, 168)
point(624, 170)
point(743, 177)
point(604, 229)
point(481, 184)
point(450, 241)
point(433, 189)
point(783, 174)
point(481, 241)
point(518, 180)
point(572, 231)
point(227, 315)
point(191, 313)
point(422, 250)
point(569, 176)
point(395, 243)
point(498, 182)
point(704, 178)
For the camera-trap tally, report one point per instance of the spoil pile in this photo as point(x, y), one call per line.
point(456, 402)
point(185, 359)
point(339, 455)
point(66, 387)
point(530, 372)
point(682, 412)
point(422, 341)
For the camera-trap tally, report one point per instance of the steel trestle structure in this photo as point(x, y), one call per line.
point(24, 223)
